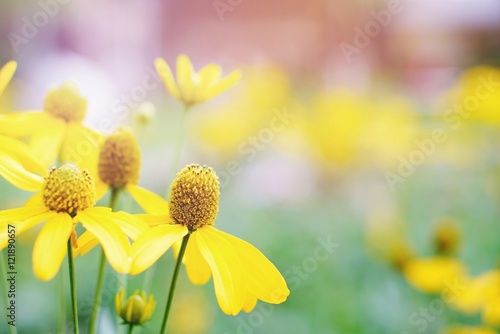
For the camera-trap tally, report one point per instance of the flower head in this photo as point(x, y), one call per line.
point(66, 103)
point(241, 273)
point(194, 197)
point(120, 159)
point(193, 87)
point(68, 189)
point(137, 309)
point(446, 237)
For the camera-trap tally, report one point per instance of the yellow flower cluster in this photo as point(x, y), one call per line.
point(65, 195)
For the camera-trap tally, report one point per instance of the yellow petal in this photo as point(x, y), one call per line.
point(86, 242)
point(250, 303)
point(221, 86)
point(21, 153)
point(208, 76)
point(113, 241)
point(46, 141)
point(185, 78)
point(166, 76)
point(491, 311)
point(51, 245)
point(197, 267)
point(263, 280)
point(6, 73)
point(148, 200)
point(152, 244)
point(35, 200)
point(228, 275)
point(15, 174)
point(81, 147)
point(155, 220)
point(431, 274)
point(20, 124)
point(101, 188)
point(131, 225)
point(23, 219)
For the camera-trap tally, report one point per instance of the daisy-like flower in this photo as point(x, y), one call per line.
point(241, 273)
point(57, 131)
point(65, 197)
point(193, 87)
point(118, 168)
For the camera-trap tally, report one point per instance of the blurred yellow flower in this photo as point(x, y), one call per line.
point(57, 131)
point(241, 273)
point(237, 128)
point(137, 309)
point(469, 330)
point(14, 154)
point(335, 127)
point(482, 294)
point(65, 197)
point(391, 129)
point(431, 275)
point(446, 237)
point(193, 87)
point(475, 97)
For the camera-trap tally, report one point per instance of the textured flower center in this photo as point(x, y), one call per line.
point(68, 189)
point(66, 103)
point(194, 197)
point(120, 159)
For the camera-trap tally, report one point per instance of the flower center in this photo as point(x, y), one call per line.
point(66, 103)
point(68, 189)
point(194, 197)
point(120, 159)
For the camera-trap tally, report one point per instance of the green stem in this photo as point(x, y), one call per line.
point(98, 293)
point(71, 268)
point(3, 268)
point(173, 283)
point(100, 275)
point(179, 146)
point(130, 329)
point(62, 302)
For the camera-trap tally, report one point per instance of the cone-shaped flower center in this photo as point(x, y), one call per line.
point(120, 159)
point(68, 189)
point(66, 103)
point(194, 197)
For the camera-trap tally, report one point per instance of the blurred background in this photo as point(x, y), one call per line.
point(357, 127)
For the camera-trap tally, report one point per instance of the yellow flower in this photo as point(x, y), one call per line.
point(137, 309)
point(65, 197)
point(241, 273)
point(431, 275)
point(193, 87)
point(447, 237)
point(57, 131)
point(118, 167)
